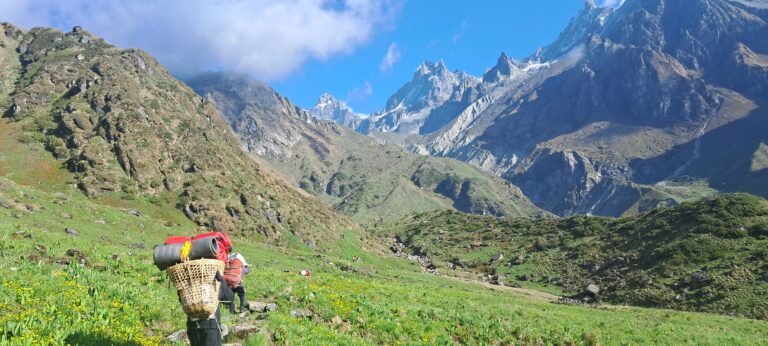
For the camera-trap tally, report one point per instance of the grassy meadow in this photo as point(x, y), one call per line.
point(118, 297)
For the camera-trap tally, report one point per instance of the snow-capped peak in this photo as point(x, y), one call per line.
point(428, 68)
point(589, 21)
point(330, 108)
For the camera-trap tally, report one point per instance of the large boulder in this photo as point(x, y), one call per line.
point(244, 330)
point(257, 306)
point(593, 290)
point(700, 277)
point(301, 313)
point(179, 336)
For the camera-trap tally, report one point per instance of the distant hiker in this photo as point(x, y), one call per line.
point(237, 268)
point(208, 332)
point(306, 273)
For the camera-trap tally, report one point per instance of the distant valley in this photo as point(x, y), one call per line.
point(361, 177)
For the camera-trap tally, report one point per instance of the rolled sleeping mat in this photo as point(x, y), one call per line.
point(204, 248)
point(169, 255)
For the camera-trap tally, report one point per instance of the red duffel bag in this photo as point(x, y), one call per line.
point(176, 240)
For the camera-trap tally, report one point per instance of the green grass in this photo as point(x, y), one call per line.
point(647, 260)
point(125, 300)
point(374, 183)
point(671, 193)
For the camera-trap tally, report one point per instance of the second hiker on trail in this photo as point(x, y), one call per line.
point(236, 269)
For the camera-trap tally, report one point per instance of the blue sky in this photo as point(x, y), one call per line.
point(467, 35)
point(304, 48)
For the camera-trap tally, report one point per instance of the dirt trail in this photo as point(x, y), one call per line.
point(530, 293)
point(534, 294)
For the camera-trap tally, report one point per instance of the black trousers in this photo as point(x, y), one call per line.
point(204, 333)
point(240, 290)
point(208, 332)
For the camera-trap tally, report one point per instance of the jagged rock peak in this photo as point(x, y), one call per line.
point(429, 68)
point(505, 67)
point(588, 22)
point(327, 103)
point(327, 100)
point(330, 108)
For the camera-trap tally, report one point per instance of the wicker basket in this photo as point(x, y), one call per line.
point(197, 286)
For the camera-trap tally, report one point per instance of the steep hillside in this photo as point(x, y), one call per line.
point(123, 126)
point(709, 255)
point(366, 180)
point(623, 103)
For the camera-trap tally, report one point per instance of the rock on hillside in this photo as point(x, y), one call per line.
point(359, 176)
point(122, 124)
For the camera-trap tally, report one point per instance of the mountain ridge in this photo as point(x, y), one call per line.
point(361, 177)
point(622, 101)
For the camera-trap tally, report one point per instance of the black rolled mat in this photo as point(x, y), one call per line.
point(168, 255)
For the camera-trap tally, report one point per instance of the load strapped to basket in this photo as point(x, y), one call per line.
point(197, 286)
point(192, 264)
point(213, 245)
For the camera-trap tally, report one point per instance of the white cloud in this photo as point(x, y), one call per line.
point(269, 39)
point(460, 34)
point(390, 59)
point(610, 3)
point(360, 94)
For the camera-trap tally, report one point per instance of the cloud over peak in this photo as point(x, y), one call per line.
point(607, 3)
point(268, 39)
point(391, 58)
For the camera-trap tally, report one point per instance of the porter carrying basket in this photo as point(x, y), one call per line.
point(197, 286)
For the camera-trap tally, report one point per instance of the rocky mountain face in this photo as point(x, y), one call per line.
point(624, 104)
point(123, 125)
point(332, 109)
point(360, 177)
point(425, 103)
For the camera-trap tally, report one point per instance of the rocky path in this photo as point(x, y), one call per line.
point(238, 327)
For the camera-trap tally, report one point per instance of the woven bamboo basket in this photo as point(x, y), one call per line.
point(197, 286)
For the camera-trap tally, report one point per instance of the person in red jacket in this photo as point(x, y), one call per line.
point(236, 270)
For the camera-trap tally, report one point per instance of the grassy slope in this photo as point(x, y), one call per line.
point(379, 186)
point(648, 260)
point(126, 301)
point(125, 126)
point(670, 194)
